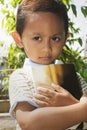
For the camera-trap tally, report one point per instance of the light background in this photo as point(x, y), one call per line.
point(80, 21)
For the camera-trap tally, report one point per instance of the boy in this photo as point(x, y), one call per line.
point(42, 30)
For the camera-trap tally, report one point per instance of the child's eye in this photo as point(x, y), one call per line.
point(37, 38)
point(56, 39)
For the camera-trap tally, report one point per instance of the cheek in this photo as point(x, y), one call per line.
point(58, 49)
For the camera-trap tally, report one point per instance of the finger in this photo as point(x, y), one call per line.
point(40, 103)
point(58, 88)
point(41, 97)
point(45, 91)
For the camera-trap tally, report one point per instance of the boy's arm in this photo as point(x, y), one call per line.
point(50, 118)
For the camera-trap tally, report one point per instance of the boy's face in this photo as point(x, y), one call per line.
point(43, 37)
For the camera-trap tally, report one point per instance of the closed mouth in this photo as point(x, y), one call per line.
point(46, 57)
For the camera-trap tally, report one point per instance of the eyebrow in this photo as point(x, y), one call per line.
point(61, 33)
point(35, 33)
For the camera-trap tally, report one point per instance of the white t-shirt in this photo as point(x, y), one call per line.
point(22, 87)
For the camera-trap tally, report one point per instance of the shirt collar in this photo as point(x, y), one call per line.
point(28, 62)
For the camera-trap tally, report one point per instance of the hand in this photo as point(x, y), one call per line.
point(46, 97)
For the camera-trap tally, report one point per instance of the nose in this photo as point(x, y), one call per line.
point(47, 46)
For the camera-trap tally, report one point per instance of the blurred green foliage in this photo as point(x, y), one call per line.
point(16, 56)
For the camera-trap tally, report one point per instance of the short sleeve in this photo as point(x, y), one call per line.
point(21, 88)
point(82, 82)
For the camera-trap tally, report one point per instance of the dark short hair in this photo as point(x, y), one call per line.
point(26, 6)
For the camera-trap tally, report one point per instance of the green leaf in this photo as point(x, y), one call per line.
point(84, 10)
point(2, 23)
point(66, 2)
point(74, 9)
point(1, 43)
point(80, 41)
point(14, 3)
point(1, 1)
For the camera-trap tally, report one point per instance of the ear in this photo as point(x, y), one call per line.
point(67, 35)
point(17, 39)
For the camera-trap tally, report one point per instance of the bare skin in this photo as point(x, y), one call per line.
point(27, 115)
point(47, 97)
point(43, 44)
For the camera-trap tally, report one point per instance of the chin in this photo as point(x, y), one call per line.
point(45, 63)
